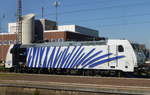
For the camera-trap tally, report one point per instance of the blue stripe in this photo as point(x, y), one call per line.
point(28, 51)
point(41, 55)
point(29, 57)
point(76, 63)
point(59, 56)
point(33, 57)
point(56, 58)
point(88, 59)
point(59, 62)
point(64, 58)
point(75, 59)
point(106, 60)
point(67, 62)
point(85, 56)
point(72, 59)
point(45, 60)
point(67, 58)
point(37, 55)
point(50, 61)
point(96, 59)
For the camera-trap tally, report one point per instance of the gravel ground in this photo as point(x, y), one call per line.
point(77, 79)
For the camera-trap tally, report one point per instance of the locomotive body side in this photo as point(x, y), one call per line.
point(116, 55)
point(102, 57)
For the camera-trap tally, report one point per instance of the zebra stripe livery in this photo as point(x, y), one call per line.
point(72, 57)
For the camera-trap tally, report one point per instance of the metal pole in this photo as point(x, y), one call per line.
point(19, 22)
point(56, 4)
point(56, 15)
point(42, 12)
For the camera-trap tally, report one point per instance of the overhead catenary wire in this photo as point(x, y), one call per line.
point(101, 8)
point(84, 4)
point(118, 24)
point(106, 18)
point(93, 9)
point(87, 3)
point(72, 5)
point(110, 7)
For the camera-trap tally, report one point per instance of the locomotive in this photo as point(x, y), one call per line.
point(82, 57)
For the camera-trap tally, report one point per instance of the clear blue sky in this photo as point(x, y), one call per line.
point(125, 19)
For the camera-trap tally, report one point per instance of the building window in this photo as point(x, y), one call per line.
point(120, 48)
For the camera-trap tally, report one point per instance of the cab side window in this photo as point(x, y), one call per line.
point(120, 48)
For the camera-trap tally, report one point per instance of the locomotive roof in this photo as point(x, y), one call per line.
point(67, 43)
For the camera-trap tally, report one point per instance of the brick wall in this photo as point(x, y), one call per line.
point(7, 39)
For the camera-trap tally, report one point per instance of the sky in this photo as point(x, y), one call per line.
point(116, 19)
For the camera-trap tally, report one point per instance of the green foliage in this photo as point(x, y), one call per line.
point(36, 92)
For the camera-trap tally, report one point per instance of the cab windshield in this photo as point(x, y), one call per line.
point(139, 50)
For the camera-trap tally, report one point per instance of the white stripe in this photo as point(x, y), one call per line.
point(38, 58)
point(57, 63)
point(43, 57)
point(31, 57)
point(70, 60)
point(28, 54)
point(33, 65)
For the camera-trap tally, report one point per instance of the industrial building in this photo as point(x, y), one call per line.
point(58, 35)
point(43, 30)
point(46, 30)
point(79, 29)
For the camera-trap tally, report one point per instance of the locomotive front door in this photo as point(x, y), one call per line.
point(112, 51)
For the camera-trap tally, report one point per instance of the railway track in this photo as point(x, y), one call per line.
point(84, 83)
point(77, 79)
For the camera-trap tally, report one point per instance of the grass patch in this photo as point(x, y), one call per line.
point(2, 67)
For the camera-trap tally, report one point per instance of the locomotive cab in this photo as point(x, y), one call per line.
point(141, 58)
point(16, 56)
point(134, 56)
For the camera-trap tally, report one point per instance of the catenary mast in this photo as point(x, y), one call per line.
point(19, 22)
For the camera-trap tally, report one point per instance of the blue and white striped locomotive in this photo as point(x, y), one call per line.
point(117, 55)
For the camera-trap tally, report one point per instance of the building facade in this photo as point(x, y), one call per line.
point(46, 31)
point(79, 29)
